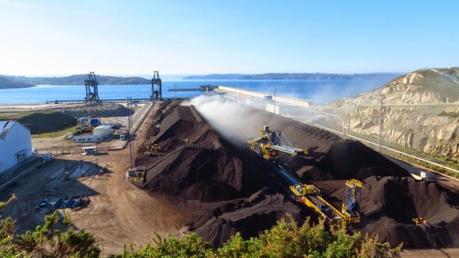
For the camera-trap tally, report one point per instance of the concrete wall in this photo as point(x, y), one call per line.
point(17, 139)
point(284, 100)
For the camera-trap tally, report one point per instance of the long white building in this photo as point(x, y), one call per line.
point(15, 144)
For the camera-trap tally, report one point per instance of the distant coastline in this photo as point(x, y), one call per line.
point(11, 82)
point(5, 83)
point(288, 76)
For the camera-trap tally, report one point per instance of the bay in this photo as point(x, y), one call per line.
point(317, 90)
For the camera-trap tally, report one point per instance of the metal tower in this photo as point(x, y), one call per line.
point(156, 87)
point(92, 93)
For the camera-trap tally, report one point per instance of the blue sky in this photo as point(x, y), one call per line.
point(197, 37)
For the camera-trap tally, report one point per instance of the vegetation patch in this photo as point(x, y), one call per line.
point(449, 114)
point(57, 238)
point(43, 122)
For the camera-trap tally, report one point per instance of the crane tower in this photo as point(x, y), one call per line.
point(156, 87)
point(92, 92)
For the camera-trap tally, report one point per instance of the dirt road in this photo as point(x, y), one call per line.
point(118, 213)
point(121, 213)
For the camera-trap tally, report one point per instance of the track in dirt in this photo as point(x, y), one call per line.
point(189, 159)
point(120, 213)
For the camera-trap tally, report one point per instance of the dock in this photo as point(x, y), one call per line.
point(81, 101)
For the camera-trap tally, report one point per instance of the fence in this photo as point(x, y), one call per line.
point(68, 150)
point(425, 134)
point(428, 133)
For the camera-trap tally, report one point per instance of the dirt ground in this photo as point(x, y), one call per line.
point(118, 213)
point(62, 143)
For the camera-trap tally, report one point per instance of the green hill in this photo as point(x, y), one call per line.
point(77, 79)
point(42, 122)
point(6, 83)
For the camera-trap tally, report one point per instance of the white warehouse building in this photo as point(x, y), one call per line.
point(15, 144)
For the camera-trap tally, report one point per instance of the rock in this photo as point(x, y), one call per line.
point(431, 129)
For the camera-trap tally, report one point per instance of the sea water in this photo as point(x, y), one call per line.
point(317, 90)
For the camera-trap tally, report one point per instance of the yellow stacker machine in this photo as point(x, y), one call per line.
point(270, 144)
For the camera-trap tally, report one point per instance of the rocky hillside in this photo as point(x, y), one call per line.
point(433, 129)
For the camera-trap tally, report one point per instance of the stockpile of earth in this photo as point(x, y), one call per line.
point(196, 163)
point(236, 189)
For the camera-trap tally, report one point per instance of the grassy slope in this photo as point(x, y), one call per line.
point(42, 122)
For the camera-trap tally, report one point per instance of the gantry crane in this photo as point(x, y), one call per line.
point(156, 87)
point(92, 92)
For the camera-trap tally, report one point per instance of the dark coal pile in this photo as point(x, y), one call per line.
point(351, 159)
point(389, 205)
point(248, 216)
point(196, 163)
point(394, 202)
point(391, 199)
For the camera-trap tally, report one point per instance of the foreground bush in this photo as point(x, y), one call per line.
point(285, 239)
point(46, 240)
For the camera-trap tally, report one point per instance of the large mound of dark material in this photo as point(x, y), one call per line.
point(247, 216)
point(351, 159)
point(389, 205)
point(197, 164)
point(330, 157)
point(394, 202)
point(194, 162)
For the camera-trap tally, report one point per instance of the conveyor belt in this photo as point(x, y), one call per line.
point(314, 201)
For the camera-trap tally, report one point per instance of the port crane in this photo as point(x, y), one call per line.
point(270, 143)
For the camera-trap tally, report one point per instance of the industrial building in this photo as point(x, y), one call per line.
point(15, 144)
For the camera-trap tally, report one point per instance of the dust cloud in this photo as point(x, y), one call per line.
point(232, 118)
point(235, 118)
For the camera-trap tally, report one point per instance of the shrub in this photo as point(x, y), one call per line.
point(285, 239)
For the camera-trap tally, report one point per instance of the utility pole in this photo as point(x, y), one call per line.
point(130, 138)
point(381, 122)
point(346, 124)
